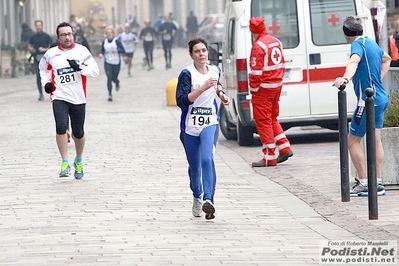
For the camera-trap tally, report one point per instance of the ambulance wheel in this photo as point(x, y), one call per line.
point(245, 134)
point(228, 129)
point(333, 126)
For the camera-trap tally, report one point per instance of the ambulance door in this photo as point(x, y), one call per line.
point(285, 20)
point(327, 52)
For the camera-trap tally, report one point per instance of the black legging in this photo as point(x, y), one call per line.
point(148, 50)
point(167, 49)
point(112, 72)
point(38, 78)
point(62, 111)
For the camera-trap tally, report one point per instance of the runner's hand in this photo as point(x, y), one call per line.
point(74, 65)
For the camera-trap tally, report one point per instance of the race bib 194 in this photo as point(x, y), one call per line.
point(201, 117)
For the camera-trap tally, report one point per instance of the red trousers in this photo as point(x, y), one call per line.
point(265, 103)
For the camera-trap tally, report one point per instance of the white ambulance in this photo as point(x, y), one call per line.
point(315, 52)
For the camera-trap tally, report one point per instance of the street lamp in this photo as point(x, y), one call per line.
point(21, 2)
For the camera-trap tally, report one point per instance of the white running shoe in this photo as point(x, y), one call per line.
point(197, 207)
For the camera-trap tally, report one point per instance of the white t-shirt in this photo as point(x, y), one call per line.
point(128, 41)
point(70, 85)
point(203, 111)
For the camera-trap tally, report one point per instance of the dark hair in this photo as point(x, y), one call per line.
point(62, 25)
point(25, 26)
point(194, 41)
point(352, 26)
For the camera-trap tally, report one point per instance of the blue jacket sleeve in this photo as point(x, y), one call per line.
point(219, 76)
point(183, 89)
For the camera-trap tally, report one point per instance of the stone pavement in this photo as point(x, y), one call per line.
point(133, 207)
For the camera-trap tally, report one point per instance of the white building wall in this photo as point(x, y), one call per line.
point(54, 12)
point(51, 13)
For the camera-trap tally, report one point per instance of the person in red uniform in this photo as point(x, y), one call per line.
point(265, 84)
point(393, 46)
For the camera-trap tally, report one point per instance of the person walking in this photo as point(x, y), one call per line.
point(156, 25)
point(148, 35)
point(191, 25)
point(38, 44)
point(197, 88)
point(168, 31)
point(367, 65)
point(394, 46)
point(266, 82)
point(129, 41)
point(26, 33)
point(134, 25)
point(79, 30)
point(64, 70)
point(111, 49)
point(78, 35)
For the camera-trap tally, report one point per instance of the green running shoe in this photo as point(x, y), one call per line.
point(65, 170)
point(78, 170)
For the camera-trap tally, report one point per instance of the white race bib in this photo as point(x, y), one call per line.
point(148, 37)
point(110, 56)
point(128, 45)
point(201, 117)
point(66, 76)
point(167, 37)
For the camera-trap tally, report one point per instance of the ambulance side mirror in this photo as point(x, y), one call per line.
point(214, 57)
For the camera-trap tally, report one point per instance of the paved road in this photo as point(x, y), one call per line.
point(133, 206)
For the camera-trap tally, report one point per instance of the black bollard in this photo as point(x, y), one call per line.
point(371, 155)
point(343, 143)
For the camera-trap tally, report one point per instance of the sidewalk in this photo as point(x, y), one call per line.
point(133, 207)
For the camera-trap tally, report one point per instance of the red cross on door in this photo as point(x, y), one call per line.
point(333, 20)
point(274, 28)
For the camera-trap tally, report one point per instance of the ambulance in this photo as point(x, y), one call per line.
point(315, 52)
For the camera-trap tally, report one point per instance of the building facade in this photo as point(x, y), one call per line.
point(14, 13)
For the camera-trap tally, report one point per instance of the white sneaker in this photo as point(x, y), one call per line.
point(197, 207)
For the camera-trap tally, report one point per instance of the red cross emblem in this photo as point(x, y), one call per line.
point(333, 20)
point(276, 56)
point(274, 28)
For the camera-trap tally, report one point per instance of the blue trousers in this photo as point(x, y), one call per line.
point(200, 153)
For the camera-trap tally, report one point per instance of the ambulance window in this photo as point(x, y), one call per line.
point(281, 19)
point(326, 17)
point(231, 37)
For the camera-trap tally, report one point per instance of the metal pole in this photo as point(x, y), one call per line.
point(371, 155)
point(383, 40)
point(343, 144)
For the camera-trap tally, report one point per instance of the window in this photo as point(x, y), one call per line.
point(326, 18)
point(231, 37)
point(281, 19)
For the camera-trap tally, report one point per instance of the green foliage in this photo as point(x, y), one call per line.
point(23, 46)
point(391, 118)
point(12, 50)
point(7, 47)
